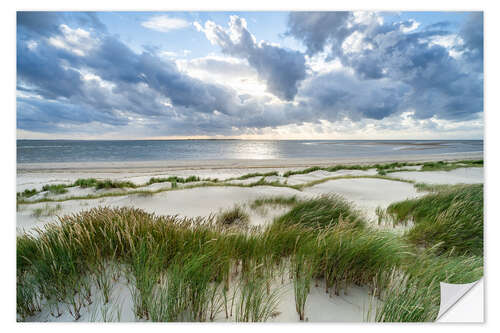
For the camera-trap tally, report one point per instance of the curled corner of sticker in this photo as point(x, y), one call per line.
point(451, 294)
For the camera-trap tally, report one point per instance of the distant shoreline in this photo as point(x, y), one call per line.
point(170, 165)
point(238, 139)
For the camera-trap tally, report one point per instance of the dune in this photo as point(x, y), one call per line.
point(456, 176)
point(367, 194)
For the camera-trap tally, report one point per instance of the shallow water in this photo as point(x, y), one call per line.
point(49, 151)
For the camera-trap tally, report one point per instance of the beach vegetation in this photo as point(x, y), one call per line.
point(108, 184)
point(85, 182)
point(450, 218)
point(47, 210)
point(27, 193)
point(172, 179)
point(55, 188)
point(274, 201)
point(234, 216)
point(383, 169)
point(413, 293)
point(185, 269)
point(256, 174)
point(324, 211)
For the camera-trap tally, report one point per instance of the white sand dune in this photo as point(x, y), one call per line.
point(350, 306)
point(201, 201)
point(456, 176)
point(366, 193)
point(321, 174)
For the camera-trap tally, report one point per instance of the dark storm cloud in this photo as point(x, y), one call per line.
point(99, 79)
point(57, 112)
point(42, 23)
point(440, 85)
point(316, 29)
point(140, 83)
point(47, 23)
point(336, 95)
point(281, 69)
point(472, 34)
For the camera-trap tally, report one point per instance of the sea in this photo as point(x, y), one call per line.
point(50, 151)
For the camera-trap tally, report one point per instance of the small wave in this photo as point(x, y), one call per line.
point(401, 148)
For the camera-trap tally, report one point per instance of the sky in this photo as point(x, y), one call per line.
point(249, 75)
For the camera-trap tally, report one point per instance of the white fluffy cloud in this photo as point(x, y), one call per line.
point(164, 23)
point(77, 41)
point(357, 76)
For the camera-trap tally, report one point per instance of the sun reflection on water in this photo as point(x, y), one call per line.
point(256, 150)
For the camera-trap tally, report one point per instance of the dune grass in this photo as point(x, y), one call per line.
point(138, 191)
point(55, 188)
point(107, 184)
point(274, 201)
point(383, 170)
point(430, 166)
point(27, 193)
point(176, 179)
point(303, 271)
point(329, 169)
point(447, 166)
point(255, 302)
point(85, 182)
point(183, 269)
point(256, 174)
point(46, 210)
point(233, 216)
point(324, 180)
point(413, 294)
point(424, 187)
point(55, 260)
point(450, 218)
point(322, 212)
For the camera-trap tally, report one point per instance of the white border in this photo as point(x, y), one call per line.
point(8, 125)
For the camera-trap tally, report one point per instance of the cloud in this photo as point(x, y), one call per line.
point(281, 69)
point(338, 94)
point(472, 35)
point(110, 82)
point(164, 23)
point(359, 71)
point(316, 29)
point(48, 23)
point(435, 82)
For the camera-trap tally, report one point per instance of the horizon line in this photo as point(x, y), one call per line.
point(239, 139)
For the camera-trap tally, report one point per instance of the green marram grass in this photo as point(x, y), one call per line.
point(324, 211)
point(382, 169)
point(235, 216)
point(450, 218)
point(197, 269)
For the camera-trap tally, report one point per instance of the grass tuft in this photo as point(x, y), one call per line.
point(85, 182)
point(274, 201)
point(233, 216)
point(323, 211)
point(450, 218)
point(45, 211)
point(55, 189)
point(107, 184)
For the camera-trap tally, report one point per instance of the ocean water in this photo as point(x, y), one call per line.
point(47, 151)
